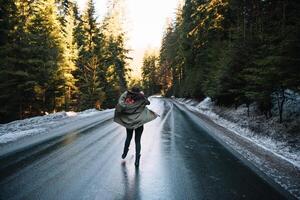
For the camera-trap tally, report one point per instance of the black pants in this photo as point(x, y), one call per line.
point(137, 138)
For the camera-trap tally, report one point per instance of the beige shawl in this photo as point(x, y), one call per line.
point(133, 115)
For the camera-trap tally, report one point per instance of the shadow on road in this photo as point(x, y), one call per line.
point(131, 187)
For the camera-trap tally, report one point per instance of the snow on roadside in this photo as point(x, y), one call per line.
point(280, 146)
point(18, 129)
point(36, 125)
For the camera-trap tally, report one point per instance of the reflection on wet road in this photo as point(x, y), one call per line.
point(179, 161)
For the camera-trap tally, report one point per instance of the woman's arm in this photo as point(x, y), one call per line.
point(147, 101)
point(122, 98)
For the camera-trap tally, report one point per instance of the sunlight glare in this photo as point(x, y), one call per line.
point(145, 24)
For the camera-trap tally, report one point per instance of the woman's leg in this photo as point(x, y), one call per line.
point(129, 133)
point(137, 138)
point(128, 137)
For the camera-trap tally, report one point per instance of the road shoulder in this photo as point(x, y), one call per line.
point(275, 170)
point(77, 125)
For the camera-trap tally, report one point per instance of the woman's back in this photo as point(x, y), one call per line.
point(132, 113)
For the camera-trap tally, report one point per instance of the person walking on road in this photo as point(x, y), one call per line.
point(132, 113)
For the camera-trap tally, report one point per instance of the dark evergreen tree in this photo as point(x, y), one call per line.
point(115, 53)
point(16, 80)
point(70, 51)
point(89, 62)
point(150, 74)
point(237, 52)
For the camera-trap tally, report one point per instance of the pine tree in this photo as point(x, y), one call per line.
point(70, 51)
point(115, 53)
point(167, 61)
point(92, 95)
point(150, 73)
point(47, 56)
point(115, 69)
point(91, 59)
point(89, 28)
point(16, 81)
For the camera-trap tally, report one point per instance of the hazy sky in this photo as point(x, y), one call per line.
point(146, 21)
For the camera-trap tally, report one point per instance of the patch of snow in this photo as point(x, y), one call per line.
point(88, 112)
point(156, 95)
point(206, 104)
point(41, 124)
point(272, 141)
point(71, 114)
point(12, 136)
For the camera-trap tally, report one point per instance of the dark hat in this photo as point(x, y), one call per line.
point(135, 90)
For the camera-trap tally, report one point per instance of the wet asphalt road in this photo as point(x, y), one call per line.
point(180, 160)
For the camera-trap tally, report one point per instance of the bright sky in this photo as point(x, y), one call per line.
point(146, 22)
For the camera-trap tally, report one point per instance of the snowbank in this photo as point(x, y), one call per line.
point(268, 134)
point(42, 124)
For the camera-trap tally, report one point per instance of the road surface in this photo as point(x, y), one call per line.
point(180, 160)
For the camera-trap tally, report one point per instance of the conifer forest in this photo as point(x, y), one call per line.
point(234, 51)
point(54, 57)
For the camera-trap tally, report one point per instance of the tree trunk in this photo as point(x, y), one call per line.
point(248, 110)
point(44, 100)
point(20, 109)
point(280, 103)
point(244, 22)
point(121, 76)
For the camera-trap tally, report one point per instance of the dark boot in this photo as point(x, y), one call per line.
point(137, 160)
point(125, 151)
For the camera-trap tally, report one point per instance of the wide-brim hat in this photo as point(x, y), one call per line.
point(130, 91)
point(134, 90)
